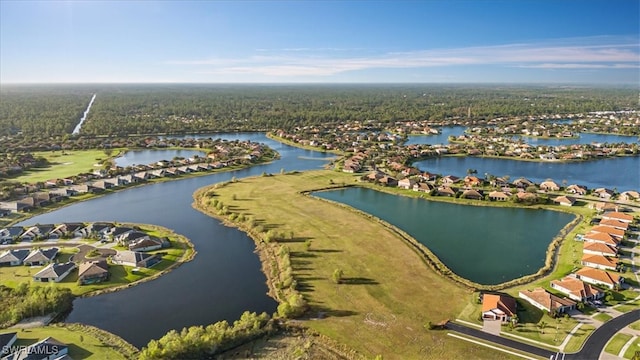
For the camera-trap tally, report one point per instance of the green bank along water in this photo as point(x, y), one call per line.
point(488, 245)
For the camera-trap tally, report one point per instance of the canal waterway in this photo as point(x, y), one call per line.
point(76, 130)
point(488, 245)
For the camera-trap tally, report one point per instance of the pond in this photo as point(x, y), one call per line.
point(149, 156)
point(488, 245)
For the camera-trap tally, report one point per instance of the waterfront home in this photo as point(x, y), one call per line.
point(599, 262)
point(95, 229)
point(577, 189)
point(603, 193)
point(472, 181)
point(93, 272)
point(609, 230)
point(615, 215)
point(599, 237)
point(388, 181)
point(10, 233)
point(54, 272)
point(604, 206)
point(565, 200)
point(46, 349)
point(423, 187)
point(36, 232)
point(135, 259)
point(13, 257)
point(549, 185)
point(17, 205)
point(406, 183)
point(576, 289)
point(595, 248)
point(145, 244)
point(65, 230)
point(522, 183)
point(126, 237)
point(630, 196)
point(498, 307)
point(450, 179)
point(119, 233)
point(472, 194)
point(499, 196)
point(599, 277)
point(616, 224)
point(446, 191)
point(40, 257)
point(544, 300)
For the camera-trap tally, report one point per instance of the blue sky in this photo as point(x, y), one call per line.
point(429, 41)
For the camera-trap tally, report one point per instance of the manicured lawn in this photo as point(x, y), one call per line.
point(389, 292)
point(578, 338)
point(628, 307)
point(635, 325)
point(530, 317)
point(616, 343)
point(69, 163)
point(81, 344)
point(602, 317)
point(633, 352)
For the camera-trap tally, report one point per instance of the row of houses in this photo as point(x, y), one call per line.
point(599, 255)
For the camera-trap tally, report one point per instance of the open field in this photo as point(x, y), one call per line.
point(82, 344)
point(63, 164)
point(388, 292)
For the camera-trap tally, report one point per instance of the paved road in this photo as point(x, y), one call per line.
point(599, 338)
point(501, 340)
point(590, 351)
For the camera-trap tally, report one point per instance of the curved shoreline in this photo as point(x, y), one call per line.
point(441, 268)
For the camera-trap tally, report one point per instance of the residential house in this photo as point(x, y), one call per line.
point(600, 237)
point(604, 206)
point(427, 176)
point(13, 257)
point(423, 187)
point(577, 189)
point(81, 188)
point(101, 230)
point(472, 194)
point(596, 248)
point(6, 342)
point(499, 182)
point(577, 290)
point(498, 307)
point(40, 257)
point(544, 300)
point(599, 277)
point(11, 233)
point(375, 175)
point(599, 262)
point(499, 196)
point(65, 230)
point(54, 272)
point(450, 179)
point(93, 272)
point(36, 232)
point(616, 224)
point(549, 185)
point(135, 259)
point(609, 230)
point(46, 349)
point(119, 233)
point(406, 183)
point(629, 196)
point(141, 176)
point(446, 191)
point(526, 196)
point(522, 183)
point(565, 200)
point(603, 193)
point(618, 216)
point(147, 243)
point(472, 181)
point(21, 205)
point(388, 181)
point(125, 237)
point(5, 212)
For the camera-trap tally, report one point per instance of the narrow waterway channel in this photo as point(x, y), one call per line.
point(76, 130)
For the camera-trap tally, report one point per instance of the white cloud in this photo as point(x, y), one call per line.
point(581, 53)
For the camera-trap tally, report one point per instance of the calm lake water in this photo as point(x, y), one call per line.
point(225, 279)
point(488, 245)
point(222, 281)
point(442, 138)
point(622, 173)
point(146, 157)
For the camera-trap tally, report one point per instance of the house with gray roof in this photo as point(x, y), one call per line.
point(13, 257)
point(11, 233)
point(40, 257)
point(54, 272)
point(93, 272)
point(135, 259)
point(46, 349)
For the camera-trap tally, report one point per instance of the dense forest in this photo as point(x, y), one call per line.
point(31, 300)
point(152, 109)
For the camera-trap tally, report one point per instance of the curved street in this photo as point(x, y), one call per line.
point(590, 351)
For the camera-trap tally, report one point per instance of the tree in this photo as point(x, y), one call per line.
point(337, 276)
point(541, 326)
point(471, 172)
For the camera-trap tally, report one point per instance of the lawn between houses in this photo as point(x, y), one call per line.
point(387, 294)
point(181, 250)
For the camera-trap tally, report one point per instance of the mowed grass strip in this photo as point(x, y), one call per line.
point(388, 292)
point(616, 343)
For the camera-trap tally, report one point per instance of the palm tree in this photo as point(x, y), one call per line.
point(541, 326)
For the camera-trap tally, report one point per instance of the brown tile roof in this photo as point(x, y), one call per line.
point(547, 299)
point(618, 215)
point(506, 304)
point(93, 268)
point(608, 230)
point(577, 287)
point(599, 260)
point(601, 237)
point(600, 247)
point(614, 223)
point(600, 275)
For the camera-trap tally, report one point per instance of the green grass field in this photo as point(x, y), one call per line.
point(602, 317)
point(82, 345)
point(389, 293)
point(577, 339)
point(616, 343)
point(69, 163)
point(633, 352)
